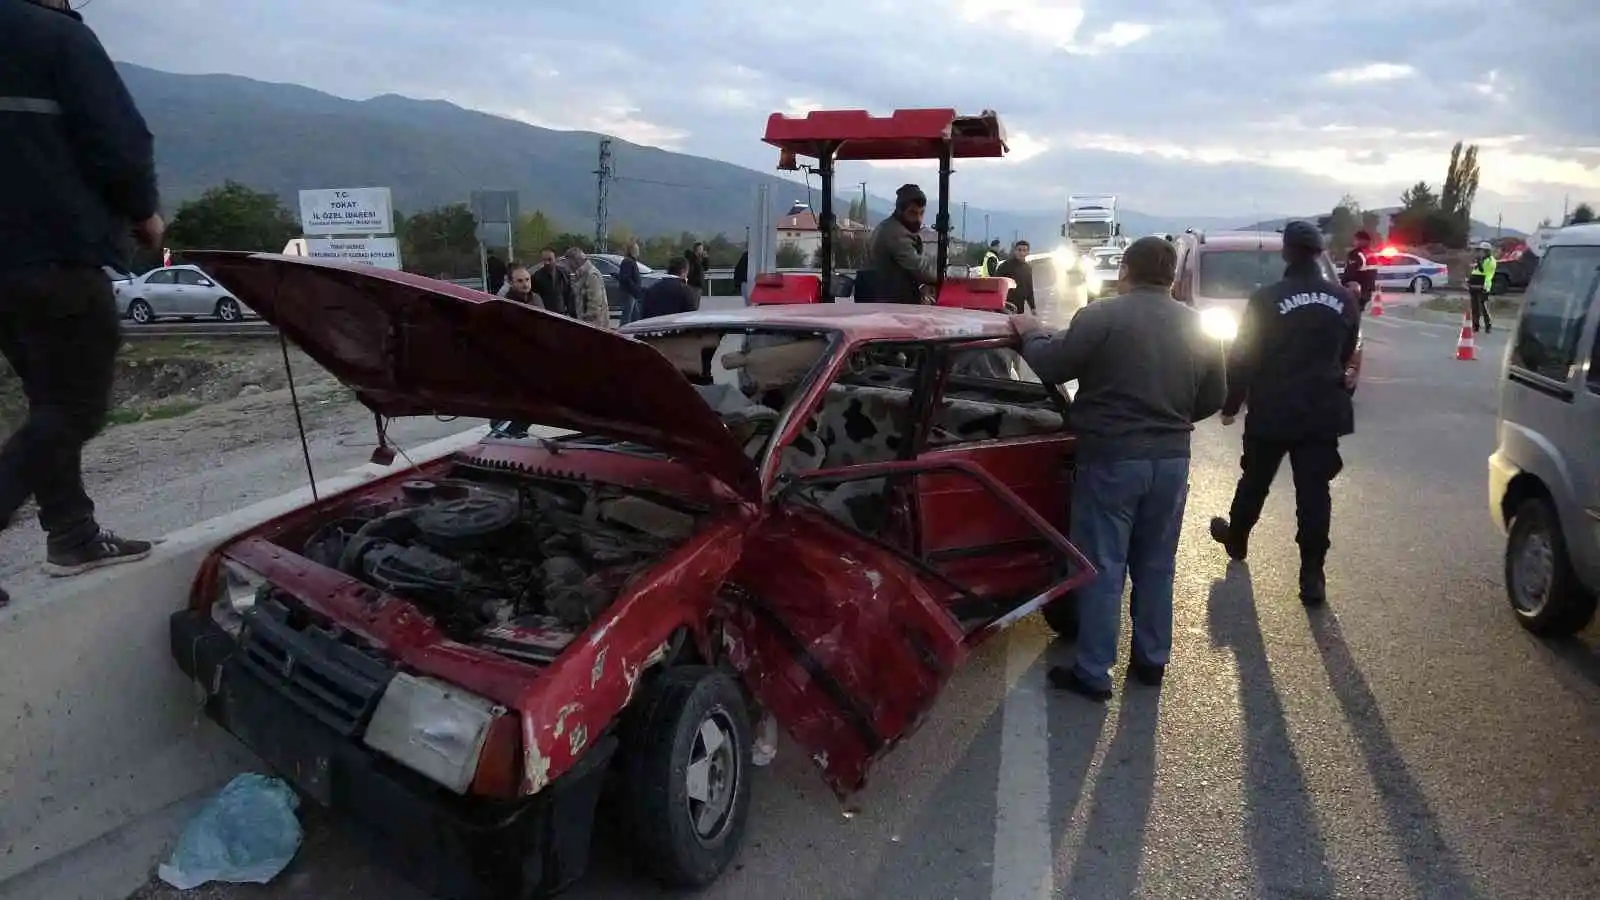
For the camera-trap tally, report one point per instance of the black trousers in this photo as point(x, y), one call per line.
point(1479, 298)
point(60, 332)
point(1315, 465)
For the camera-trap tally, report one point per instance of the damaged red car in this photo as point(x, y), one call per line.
point(812, 513)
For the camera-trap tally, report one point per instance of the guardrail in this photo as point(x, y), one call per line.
point(158, 330)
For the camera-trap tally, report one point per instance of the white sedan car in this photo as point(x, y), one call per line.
point(1398, 270)
point(182, 292)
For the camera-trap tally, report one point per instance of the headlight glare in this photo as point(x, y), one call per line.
point(1219, 323)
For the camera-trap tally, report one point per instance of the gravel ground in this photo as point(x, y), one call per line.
point(154, 477)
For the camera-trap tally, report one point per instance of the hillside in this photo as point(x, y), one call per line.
point(1479, 229)
point(282, 137)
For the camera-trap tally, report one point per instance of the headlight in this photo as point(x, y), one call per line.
point(432, 728)
point(1219, 323)
point(238, 587)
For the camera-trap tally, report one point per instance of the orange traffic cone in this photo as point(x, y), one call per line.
point(1377, 303)
point(1466, 348)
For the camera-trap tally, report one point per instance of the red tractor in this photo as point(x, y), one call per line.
point(850, 135)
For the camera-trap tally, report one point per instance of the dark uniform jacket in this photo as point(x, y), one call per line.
point(1288, 361)
point(77, 163)
point(898, 267)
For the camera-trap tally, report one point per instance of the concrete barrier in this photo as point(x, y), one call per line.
point(104, 748)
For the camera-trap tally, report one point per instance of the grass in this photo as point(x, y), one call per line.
point(1457, 303)
point(159, 412)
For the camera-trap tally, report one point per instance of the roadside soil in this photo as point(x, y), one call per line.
point(202, 428)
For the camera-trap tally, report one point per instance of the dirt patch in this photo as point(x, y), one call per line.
point(167, 379)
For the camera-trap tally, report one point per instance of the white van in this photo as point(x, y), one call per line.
point(1544, 477)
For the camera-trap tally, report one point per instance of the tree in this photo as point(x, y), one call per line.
point(442, 241)
point(849, 251)
point(1460, 185)
point(1343, 224)
point(1418, 197)
point(790, 256)
point(1583, 213)
point(1422, 219)
point(1369, 223)
point(535, 233)
point(232, 217)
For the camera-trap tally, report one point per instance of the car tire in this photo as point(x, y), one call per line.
point(684, 841)
point(140, 313)
point(228, 310)
point(1541, 585)
point(1421, 284)
point(1061, 615)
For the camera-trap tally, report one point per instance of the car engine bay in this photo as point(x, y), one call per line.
point(521, 567)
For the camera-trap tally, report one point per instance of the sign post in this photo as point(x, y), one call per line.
point(350, 225)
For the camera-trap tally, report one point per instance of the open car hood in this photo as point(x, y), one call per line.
point(413, 346)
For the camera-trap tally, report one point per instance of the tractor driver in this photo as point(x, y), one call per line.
point(900, 271)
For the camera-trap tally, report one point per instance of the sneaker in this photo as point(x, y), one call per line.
point(1147, 675)
point(1065, 678)
point(105, 550)
point(1238, 546)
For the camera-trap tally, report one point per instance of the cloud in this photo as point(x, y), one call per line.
point(1184, 107)
point(1371, 72)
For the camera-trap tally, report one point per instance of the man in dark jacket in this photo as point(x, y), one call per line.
point(695, 271)
point(1016, 268)
point(631, 282)
point(1146, 373)
point(1288, 364)
point(899, 273)
point(741, 275)
point(669, 295)
point(77, 174)
point(1361, 268)
point(552, 284)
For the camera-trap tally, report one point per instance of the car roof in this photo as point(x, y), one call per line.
point(857, 321)
point(1576, 235)
point(1242, 240)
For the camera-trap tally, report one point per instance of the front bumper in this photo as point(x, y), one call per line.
point(453, 847)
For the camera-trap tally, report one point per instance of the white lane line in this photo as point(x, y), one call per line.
point(1024, 851)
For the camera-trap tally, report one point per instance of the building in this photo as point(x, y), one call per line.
point(798, 228)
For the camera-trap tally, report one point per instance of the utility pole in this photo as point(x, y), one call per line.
point(1565, 199)
point(986, 229)
point(1499, 226)
point(863, 204)
point(602, 210)
point(963, 221)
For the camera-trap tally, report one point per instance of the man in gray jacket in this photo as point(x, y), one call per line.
point(899, 271)
point(1146, 373)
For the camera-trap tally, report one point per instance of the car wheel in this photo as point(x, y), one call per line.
point(1062, 617)
point(1540, 582)
point(688, 776)
point(1421, 284)
point(228, 310)
point(140, 312)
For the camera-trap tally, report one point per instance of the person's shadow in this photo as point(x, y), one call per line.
point(1432, 864)
point(1286, 842)
point(1107, 864)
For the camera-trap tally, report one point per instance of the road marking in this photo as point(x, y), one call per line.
point(1024, 854)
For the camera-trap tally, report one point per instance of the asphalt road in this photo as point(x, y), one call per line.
point(1407, 741)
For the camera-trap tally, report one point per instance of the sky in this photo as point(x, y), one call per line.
point(1181, 107)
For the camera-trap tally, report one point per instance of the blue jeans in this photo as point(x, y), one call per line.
point(1126, 517)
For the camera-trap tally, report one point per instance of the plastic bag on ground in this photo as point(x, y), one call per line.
point(246, 834)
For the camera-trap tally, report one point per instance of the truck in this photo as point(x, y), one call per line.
point(1092, 222)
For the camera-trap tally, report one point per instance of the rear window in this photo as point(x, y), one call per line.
point(1236, 274)
point(1554, 311)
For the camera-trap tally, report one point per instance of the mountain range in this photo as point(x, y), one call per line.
point(1479, 230)
point(283, 137)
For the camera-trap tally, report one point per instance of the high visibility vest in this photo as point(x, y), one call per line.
point(991, 261)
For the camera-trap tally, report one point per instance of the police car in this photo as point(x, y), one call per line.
point(1398, 270)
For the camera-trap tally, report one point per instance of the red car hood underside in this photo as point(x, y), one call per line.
point(414, 346)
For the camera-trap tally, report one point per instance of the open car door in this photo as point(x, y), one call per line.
point(845, 636)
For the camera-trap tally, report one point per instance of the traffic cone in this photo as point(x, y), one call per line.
point(1466, 348)
point(1377, 303)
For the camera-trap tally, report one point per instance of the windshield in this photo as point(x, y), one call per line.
point(1235, 274)
point(1088, 231)
point(749, 377)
